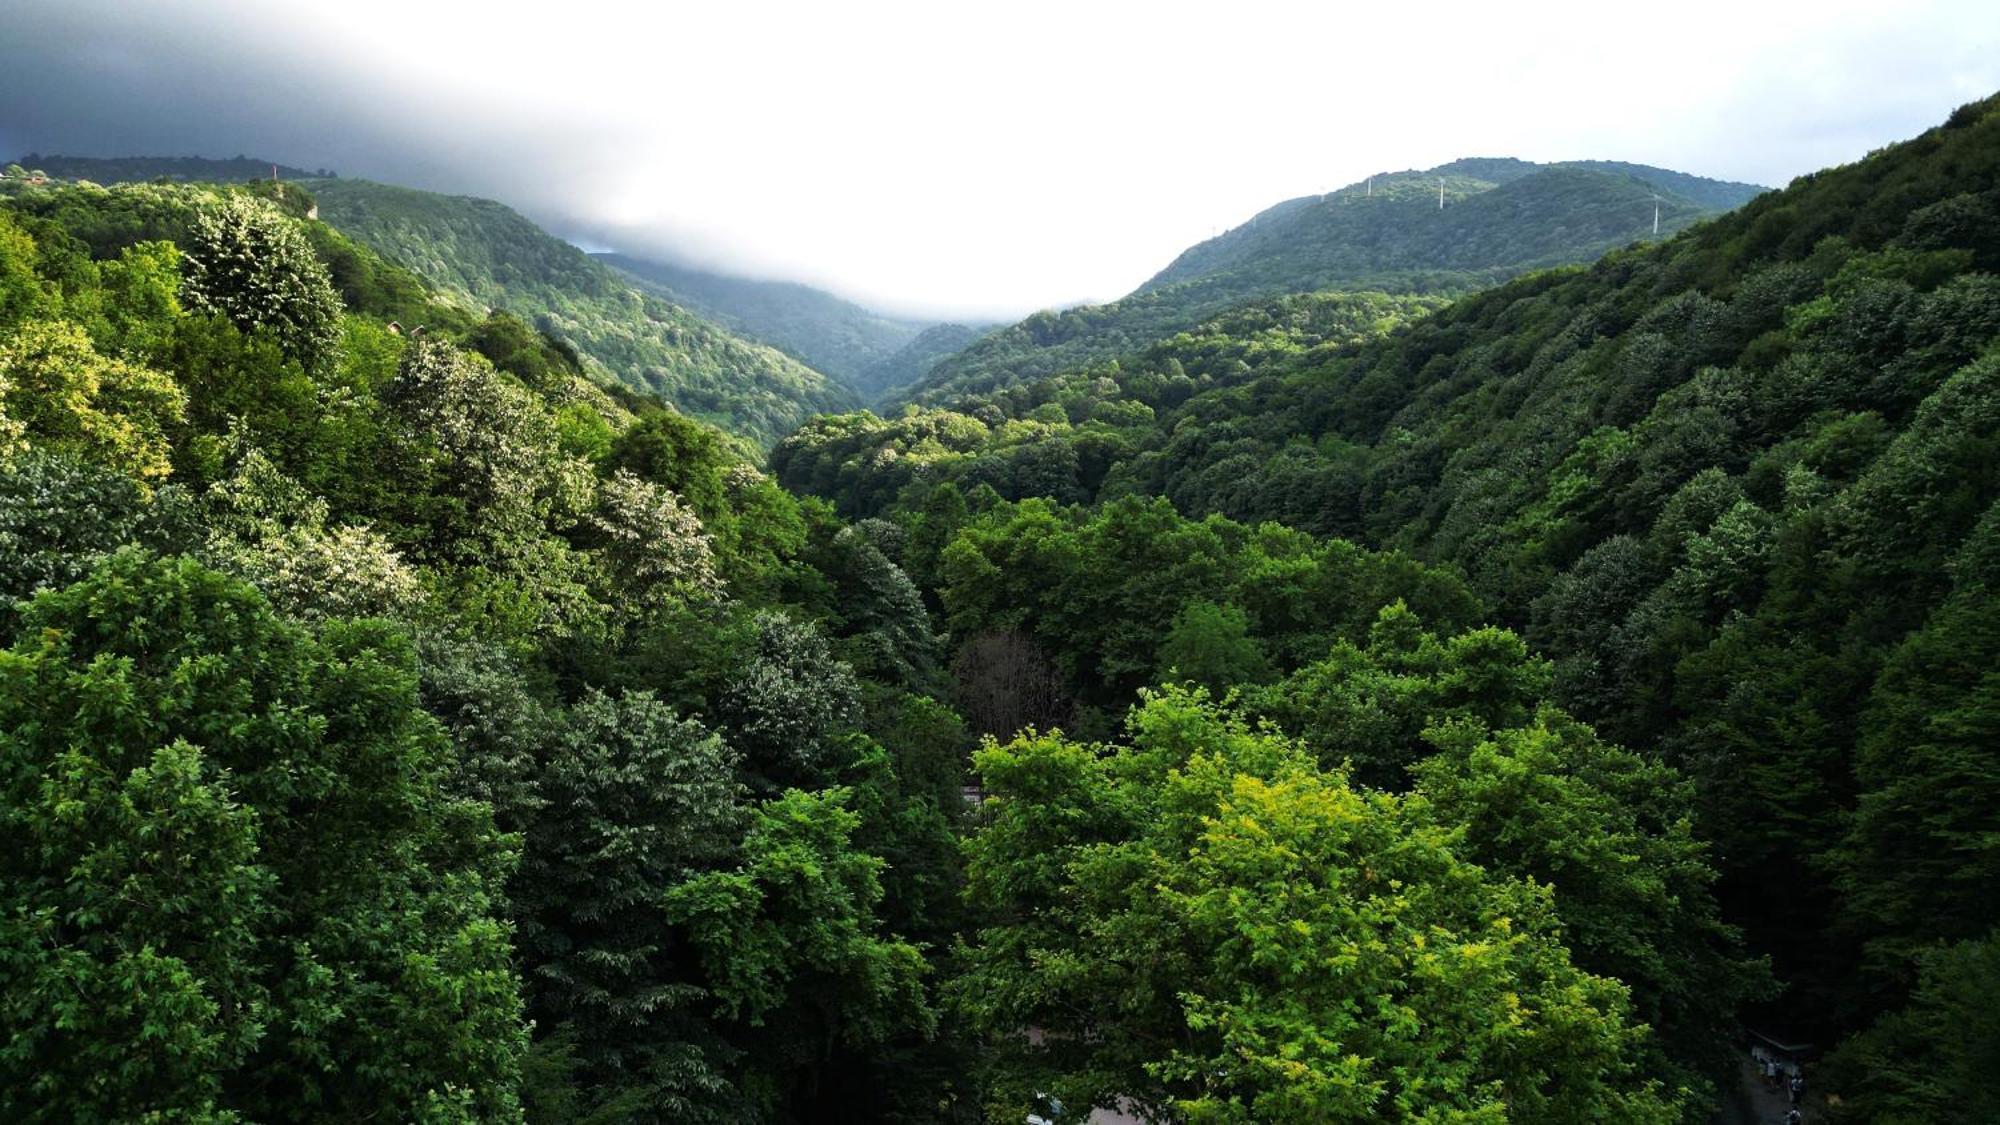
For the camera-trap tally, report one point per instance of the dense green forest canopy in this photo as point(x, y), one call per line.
point(1502, 217)
point(406, 724)
point(1351, 707)
point(825, 332)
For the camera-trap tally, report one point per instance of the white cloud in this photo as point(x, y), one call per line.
point(956, 158)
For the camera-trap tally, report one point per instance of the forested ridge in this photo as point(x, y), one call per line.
point(908, 363)
point(1386, 234)
point(490, 256)
point(1352, 707)
point(827, 333)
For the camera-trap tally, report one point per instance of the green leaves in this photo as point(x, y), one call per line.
point(794, 926)
point(1206, 923)
point(58, 392)
point(229, 840)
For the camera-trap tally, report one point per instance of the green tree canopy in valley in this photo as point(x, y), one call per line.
point(1205, 923)
point(236, 883)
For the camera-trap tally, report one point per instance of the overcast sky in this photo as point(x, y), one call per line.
point(970, 159)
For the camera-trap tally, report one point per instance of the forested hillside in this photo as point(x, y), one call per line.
point(908, 363)
point(1740, 489)
point(827, 333)
point(1502, 217)
point(1057, 437)
point(490, 256)
point(1347, 707)
point(1499, 215)
point(408, 727)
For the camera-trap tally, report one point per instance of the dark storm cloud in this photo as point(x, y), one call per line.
point(101, 79)
point(90, 78)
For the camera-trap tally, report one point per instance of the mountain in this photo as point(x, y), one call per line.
point(489, 255)
point(131, 169)
point(1742, 489)
point(1389, 233)
point(1501, 217)
point(828, 333)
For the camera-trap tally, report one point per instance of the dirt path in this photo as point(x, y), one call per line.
point(1754, 1103)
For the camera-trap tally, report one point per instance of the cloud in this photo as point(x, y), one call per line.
point(969, 159)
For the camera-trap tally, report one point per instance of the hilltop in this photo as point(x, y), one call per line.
point(131, 169)
point(1501, 217)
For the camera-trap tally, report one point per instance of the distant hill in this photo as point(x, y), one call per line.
point(829, 333)
point(1499, 214)
point(909, 362)
point(492, 256)
point(133, 169)
point(1501, 217)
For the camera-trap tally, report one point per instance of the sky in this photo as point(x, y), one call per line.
point(961, 159)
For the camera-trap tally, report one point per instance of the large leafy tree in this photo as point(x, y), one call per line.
point(232, 882)
point(485, 471)
point(1464, 722)
point(58, 516)
point(248, 262)
point(1368, 705)
point(1611, 833)
point(691, 956)
point(1207, 924)
point(790, 948)
point(635, 801)
point(59, 393)
point(652, 546)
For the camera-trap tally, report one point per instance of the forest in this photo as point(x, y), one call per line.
point(1362, 705)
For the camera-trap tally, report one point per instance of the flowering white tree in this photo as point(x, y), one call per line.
point(268, 529)
point(247, 261)
point(491, 449)
point(652, 545)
